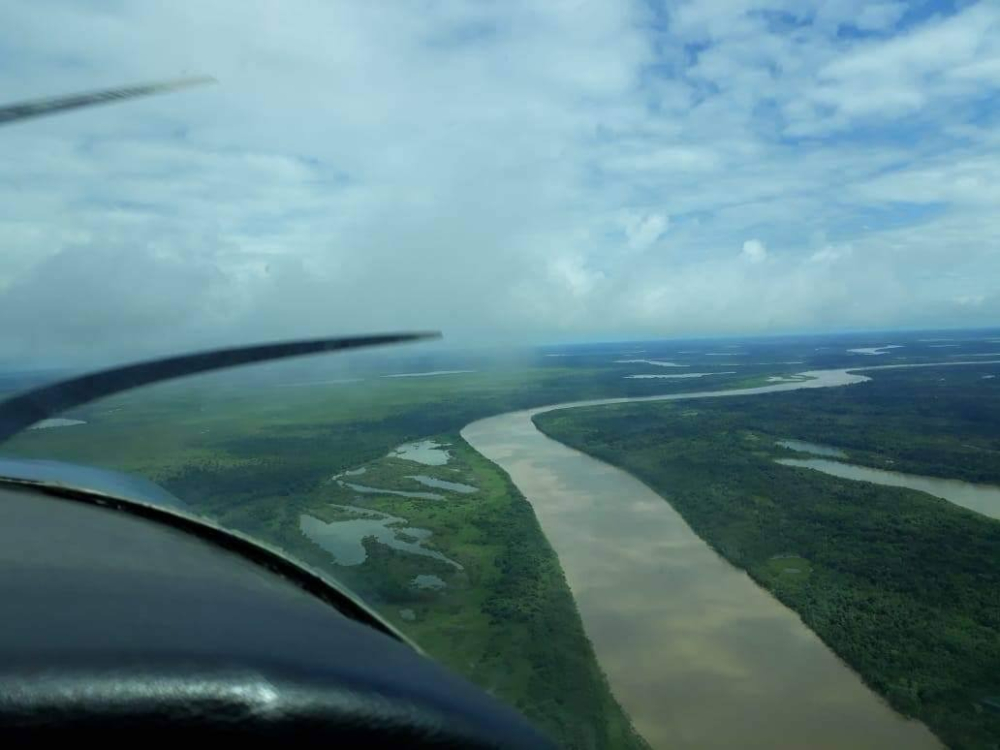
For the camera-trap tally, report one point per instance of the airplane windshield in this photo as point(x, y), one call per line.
point(708, 453)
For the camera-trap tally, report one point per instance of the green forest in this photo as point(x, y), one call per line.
point(905, 587)
point(935, 421)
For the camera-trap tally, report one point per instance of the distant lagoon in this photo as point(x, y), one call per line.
point(680, 376)
point(429, 373)
point(55, 422)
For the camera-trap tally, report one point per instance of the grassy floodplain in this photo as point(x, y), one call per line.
point(257, 459)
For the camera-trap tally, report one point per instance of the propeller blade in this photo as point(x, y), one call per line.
point(22, 411)
point(39, 107)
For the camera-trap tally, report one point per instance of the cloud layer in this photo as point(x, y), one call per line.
point(514, 171)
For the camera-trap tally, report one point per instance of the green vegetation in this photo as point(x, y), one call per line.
point(257, 460)
point(218, 423)
point(903, 586)
point(942, 422)
point(507, 619)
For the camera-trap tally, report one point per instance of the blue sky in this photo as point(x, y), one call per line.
point(516, 171)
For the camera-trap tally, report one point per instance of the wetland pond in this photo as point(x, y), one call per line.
point(343, 539)
point(426, 452)
point(441, 484)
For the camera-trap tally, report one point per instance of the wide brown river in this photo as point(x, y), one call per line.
point(696, 652)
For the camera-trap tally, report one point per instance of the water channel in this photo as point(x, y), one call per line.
point(696, 652)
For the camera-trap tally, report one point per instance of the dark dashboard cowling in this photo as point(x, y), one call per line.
point(118, 624)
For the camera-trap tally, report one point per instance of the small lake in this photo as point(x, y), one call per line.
point(681, 376)
point(428, 374)
point(982, 498)
point(55, 422)
point(426, 452)
point(815, 448)
point(656, 362)
point(875, 350)
point(366, 490)
point(343, 539)
point(338, 381)
point(441, 484)
point(424, 581)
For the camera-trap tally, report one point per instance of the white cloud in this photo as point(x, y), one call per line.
point(932, 66)
point(966, 180)
point(971, 300)
point(880, 16)
point(754, 251)
point(831, 254)
point(501, 170)
point(644, 230)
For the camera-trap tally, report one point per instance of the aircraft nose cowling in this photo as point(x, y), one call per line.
point(118, 624)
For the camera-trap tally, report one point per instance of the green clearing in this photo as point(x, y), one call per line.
point(903, 586)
